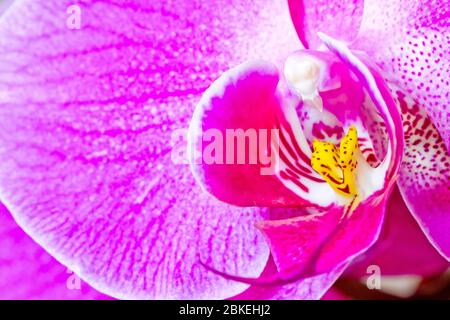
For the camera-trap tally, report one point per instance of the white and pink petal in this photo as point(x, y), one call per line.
point(28, 272)
point(86, 118)
point(309, 288)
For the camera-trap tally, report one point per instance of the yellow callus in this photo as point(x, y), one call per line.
point(337, 166)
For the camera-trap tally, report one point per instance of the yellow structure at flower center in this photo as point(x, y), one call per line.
point(337, 166)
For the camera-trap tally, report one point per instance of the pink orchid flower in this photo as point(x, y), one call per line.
point(89, 106)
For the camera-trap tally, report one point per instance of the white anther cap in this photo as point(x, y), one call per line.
point(302, 74)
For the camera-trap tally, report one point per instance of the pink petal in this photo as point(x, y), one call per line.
point(335, 294)
point(311, 288)
point(402, 247)
point(311, 245)
point(339, 18)
point(425, 175)
point(85, 126)
point(28, 272)
point(244, 98)
point(295, 242)
point(4, 5)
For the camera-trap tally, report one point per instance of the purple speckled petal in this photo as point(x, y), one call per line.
point(425, 175)
point(28, 272)
point(410, 40)
point(86, 118)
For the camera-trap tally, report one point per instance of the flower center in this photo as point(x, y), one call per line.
point(337, 166)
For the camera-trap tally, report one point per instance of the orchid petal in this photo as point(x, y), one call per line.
point(312, 288)
point(424, 175)
point(402, 247)
point(85, 123)
point(339, 18)
point(335, 294)
point(28, 272)
point(311, 245)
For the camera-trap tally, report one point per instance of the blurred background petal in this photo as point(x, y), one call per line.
point(402, 248)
